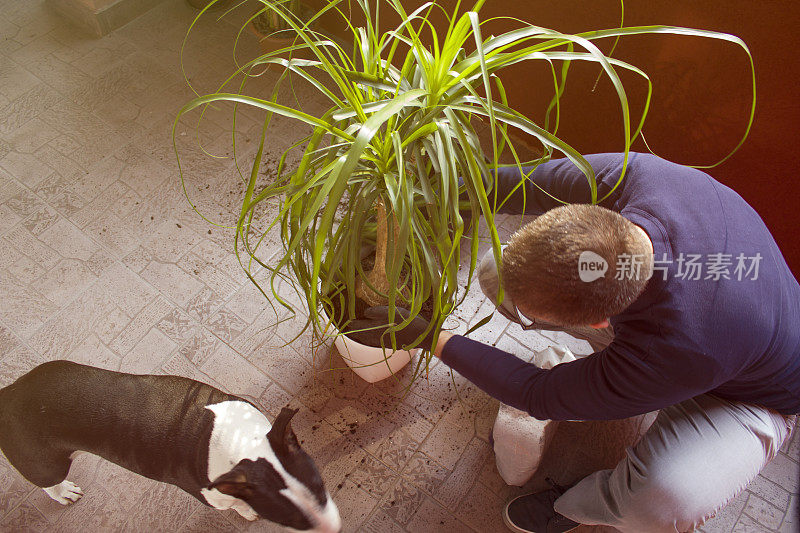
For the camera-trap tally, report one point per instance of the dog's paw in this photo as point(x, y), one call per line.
point(246, 511)
point(65, 492)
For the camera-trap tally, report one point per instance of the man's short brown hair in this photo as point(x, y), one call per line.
point(541, 265)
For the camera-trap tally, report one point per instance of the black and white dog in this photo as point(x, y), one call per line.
point(217, 447)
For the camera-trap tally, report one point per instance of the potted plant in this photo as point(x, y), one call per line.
point(379, 206)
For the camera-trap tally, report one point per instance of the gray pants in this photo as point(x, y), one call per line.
point(695, 458)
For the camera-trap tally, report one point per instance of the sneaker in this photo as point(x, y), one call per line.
point(534, 513)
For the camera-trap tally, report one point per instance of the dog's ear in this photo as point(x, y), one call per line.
point(281, 436)
point(233, 483)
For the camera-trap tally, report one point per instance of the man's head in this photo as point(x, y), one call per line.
point(542, 274)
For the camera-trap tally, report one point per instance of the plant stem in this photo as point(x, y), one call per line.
point(377, 276)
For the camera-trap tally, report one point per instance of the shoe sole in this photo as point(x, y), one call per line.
point(510, 525)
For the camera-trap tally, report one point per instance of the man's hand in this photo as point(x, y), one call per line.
point(371, 329)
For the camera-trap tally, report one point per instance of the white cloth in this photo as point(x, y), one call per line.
point(519, 439)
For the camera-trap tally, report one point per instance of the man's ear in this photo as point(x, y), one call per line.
point(281, 437)
point(233, 483)
point(600, 325)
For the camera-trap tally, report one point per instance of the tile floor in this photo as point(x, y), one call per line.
point(103, 261)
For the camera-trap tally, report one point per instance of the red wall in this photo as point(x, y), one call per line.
point(701, 91)
point(701, 94)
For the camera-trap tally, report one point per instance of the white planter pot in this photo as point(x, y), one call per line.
point(370, 363)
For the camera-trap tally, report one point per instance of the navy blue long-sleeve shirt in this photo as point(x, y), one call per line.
point(737, 338)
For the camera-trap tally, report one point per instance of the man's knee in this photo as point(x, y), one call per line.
point(637, 499)
point(665, 500)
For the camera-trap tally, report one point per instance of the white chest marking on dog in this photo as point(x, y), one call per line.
point(240, 432)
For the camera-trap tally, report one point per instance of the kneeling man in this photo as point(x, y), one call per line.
point(702, 313)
